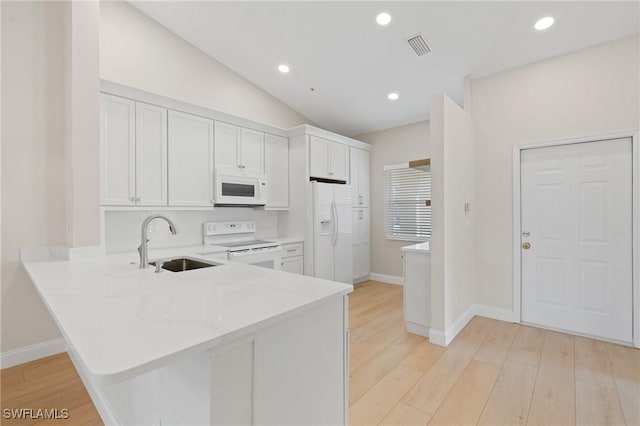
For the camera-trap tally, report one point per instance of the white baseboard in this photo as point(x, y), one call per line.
point(437, 337)
point(391, 279)
point(443, 338)
point(361, 279)
point(32, 352)
point(418, 329)
point(494, 313)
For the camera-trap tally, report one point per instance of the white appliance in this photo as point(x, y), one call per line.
point(332, 232)
point(239, 190)
point(240, 240)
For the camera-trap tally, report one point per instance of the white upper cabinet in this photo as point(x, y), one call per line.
point(327, 159)
point(133, 139)
point(117, 146)
point(239, 149)
point(227, 145)
point(276, 158)
point(318, 157)
point(252, 152)
point(339, 161)
point(151, 155)
point(360, 176)
point(190, 160)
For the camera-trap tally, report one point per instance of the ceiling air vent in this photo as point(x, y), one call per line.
point(419, 44)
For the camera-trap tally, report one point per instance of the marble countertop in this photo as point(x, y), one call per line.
point(418, 248)
point(122, 321)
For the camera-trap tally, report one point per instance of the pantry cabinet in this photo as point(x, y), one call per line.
point(239, 149)
point(133, 143)
point(360, 176)
point(327, 159)
point(190, 160)
point(276, 164)
point(361, 243)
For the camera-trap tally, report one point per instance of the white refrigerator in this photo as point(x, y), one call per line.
point(332, 232)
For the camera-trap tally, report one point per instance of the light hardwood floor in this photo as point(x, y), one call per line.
point(494, 373)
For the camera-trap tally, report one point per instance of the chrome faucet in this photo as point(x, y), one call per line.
point(144, 255)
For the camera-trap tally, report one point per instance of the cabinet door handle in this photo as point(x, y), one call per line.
point(330, 173)
point(290, 250)
point(132, 199)
point(138, 198)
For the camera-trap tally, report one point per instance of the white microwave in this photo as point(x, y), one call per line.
point(239, 190)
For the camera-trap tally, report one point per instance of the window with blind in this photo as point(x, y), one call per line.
point(407, 190)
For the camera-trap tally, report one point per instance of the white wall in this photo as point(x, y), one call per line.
point(587, 92)
point(453, 278)
point(391, 146)
point(33, 158)
point(82, 120)
point(137, 51)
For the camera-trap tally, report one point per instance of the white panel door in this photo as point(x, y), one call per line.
point(577, 217)
point(227, 145)
point(151, 155)
point(117, 145)
point(319, 157)
point(276, 164)
point(190, 160)
point(338, 161)
point(252, 152)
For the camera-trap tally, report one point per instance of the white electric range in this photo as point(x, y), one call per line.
point(239, 238)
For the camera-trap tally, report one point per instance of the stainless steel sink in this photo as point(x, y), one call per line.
point(183, 264)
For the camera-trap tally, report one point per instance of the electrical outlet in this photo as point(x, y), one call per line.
point(156, 420)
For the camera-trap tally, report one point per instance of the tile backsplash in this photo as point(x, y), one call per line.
point(122, 228)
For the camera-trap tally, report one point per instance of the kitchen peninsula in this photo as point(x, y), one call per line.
point(226, 344)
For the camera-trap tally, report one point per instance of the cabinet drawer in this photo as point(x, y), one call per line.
point(290, 250)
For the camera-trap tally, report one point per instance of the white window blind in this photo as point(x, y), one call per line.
point(407, 217)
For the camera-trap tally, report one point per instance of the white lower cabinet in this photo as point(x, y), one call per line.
point(361, 246)
point(417, 291)
point(292, 258)
point(295, 265)
point(293, 371)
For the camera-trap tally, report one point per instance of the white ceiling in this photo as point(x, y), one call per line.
point(353, 63)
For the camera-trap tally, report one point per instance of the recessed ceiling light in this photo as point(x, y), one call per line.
point(383, 18)
point(283, 68)
point(393, 96)
point(544, 23)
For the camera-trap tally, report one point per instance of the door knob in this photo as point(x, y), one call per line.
point(526, 246)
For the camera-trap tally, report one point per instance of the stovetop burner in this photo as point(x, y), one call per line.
point(245, 243)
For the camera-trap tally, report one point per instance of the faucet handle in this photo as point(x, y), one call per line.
point(140, 247)
point(159, 265)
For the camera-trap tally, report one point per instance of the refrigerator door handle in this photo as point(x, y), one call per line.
point(334, 212)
